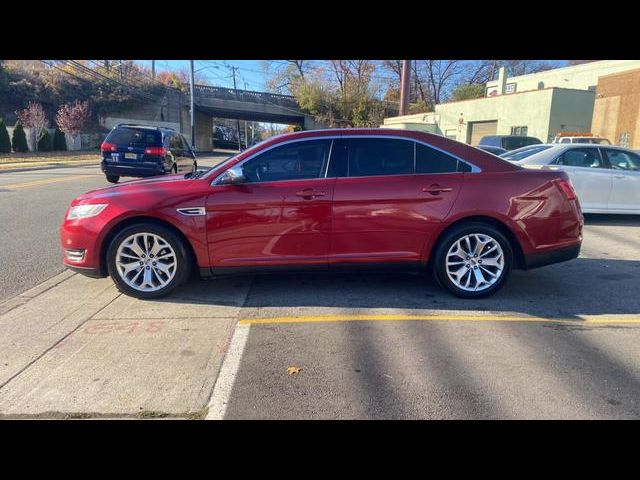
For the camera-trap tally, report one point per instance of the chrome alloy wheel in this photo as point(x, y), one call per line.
point(146, 262)
point(475, 262)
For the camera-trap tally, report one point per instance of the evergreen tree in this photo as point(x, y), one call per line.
point(5, 142)
point(44, 144)
point(19, 139)
point(59, 141)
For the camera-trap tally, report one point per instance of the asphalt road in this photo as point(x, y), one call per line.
point(444, 367)
point(561, 341)
point(32, 207)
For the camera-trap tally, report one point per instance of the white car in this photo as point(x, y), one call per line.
point(605, 178)
point(582, 139)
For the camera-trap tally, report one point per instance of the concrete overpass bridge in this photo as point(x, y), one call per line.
point(215, 102)
point(219, 102)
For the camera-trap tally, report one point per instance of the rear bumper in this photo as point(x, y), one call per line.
point(556, 255)
point(122, 170)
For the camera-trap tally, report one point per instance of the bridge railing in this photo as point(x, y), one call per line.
point(246, 96)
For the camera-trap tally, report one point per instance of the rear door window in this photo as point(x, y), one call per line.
point(431, 160)
point(134, 137)
point(619, 160)
point(380, 156)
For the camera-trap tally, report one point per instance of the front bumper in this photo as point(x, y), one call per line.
point(86, 271)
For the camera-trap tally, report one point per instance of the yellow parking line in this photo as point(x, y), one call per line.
point(599, 319)
point(45, 181)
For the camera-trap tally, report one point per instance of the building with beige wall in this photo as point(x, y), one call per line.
point(539, 105)
point(581, 77)
point(539, 113)
point(616, 112)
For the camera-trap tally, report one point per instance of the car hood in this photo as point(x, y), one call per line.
point(159, 186)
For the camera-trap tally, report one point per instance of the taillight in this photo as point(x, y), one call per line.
point(566, 188)
point(161, 151)
point(108, 147)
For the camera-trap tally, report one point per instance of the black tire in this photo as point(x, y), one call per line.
point(113, 178)
point(438, 264)
point(183, 259)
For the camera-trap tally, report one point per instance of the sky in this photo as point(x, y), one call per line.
point(218, 72)
point(250, 74)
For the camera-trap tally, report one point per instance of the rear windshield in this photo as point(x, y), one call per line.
point(134, 136)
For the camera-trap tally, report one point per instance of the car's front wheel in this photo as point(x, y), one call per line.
point(147, 260)
point(113, 178)
point(473, 260)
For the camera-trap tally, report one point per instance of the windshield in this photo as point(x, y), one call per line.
point(522, 153)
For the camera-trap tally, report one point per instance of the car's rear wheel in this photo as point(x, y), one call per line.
point(473, 260)
point(113, 178)
point(147, 260)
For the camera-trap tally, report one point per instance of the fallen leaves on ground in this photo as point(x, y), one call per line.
point(293, 370)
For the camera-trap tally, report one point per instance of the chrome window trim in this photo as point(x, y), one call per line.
point(474, 168)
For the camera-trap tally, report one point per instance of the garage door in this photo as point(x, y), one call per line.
point(480, 129)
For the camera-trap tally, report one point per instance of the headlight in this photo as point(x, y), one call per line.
point(85, 211)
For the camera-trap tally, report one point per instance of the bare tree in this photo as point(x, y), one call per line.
point(72, 117)
point(34, 118)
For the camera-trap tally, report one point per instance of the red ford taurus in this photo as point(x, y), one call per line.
point(329, 199)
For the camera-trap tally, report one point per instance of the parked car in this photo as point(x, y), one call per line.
point(143, 151)
point(606, 178)
point(330, 199)
point(524, 152)
point(580, 138)
point(508, 142)
point(491, 149)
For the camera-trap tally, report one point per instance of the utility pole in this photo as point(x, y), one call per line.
point(153, 70)
point(193, 127)
point(246, 141)
point(233, 70)
point(404, 88)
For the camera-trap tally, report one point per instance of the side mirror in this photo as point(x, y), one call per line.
point(233, 176)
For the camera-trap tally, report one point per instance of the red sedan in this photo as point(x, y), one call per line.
point(328, 199)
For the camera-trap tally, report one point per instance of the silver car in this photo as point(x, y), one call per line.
point(605, 178)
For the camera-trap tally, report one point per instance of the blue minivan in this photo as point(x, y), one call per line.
point(144, 151)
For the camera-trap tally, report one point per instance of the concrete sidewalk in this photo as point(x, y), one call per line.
point(75, 347)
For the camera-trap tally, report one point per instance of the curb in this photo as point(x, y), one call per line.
point(49, 167)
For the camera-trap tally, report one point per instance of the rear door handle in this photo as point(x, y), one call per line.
point(307, 193)
point(436, 189)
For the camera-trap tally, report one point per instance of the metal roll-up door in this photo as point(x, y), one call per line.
point(480, 129)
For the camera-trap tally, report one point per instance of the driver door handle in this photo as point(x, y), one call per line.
point(308, 193)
